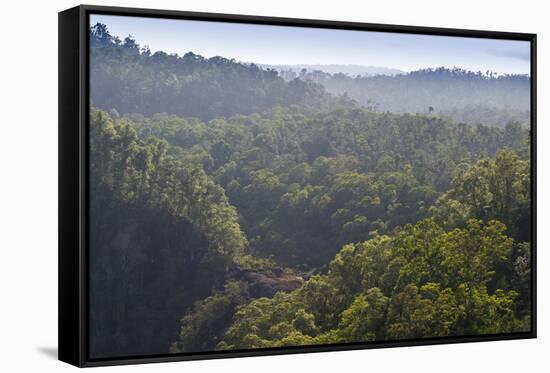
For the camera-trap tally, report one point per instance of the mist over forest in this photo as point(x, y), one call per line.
point(292, 71)
point(235, 206)
point(464, 96)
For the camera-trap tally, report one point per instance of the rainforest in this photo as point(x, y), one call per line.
point(236, 206)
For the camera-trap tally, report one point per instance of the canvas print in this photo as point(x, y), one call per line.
point(258, 186)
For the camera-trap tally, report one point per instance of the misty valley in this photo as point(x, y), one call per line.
point(240, 206)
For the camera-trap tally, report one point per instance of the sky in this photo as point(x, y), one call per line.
point(283, 45)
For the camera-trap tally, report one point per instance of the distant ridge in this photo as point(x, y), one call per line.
point(351, 70)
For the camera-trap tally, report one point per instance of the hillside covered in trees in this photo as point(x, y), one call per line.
point(130, 79)
point(464, 96)
point(235, 209)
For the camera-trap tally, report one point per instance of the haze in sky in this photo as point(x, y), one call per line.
point(283, 45)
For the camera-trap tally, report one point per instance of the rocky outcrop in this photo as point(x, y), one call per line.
point(265, 283)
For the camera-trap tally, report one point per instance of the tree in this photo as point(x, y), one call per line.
point(364, 318)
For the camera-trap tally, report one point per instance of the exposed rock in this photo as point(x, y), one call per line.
point(265, 283)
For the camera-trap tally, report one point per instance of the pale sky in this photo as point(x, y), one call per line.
point(299, 45)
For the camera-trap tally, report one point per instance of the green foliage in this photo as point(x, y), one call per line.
point(201, 188)
point(305, 183)
point(420, 282)
point(201, 328)
point(490, 189)
point(141, 172)
point(155, 220)
point(270, 213)
point(130, 79)
point(364, 319)
point(465, 96)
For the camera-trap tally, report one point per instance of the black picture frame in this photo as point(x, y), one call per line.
point(74, 187)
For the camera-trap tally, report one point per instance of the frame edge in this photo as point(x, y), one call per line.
point(69, 248)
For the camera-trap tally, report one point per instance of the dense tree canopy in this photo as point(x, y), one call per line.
point(155, 221)
point(304, 184)
point(232, 208)
point(465, 96)
point(128, 78)
point(421, 281)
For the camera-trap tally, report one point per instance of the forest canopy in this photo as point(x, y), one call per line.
point(465, 96)
point(235, 207)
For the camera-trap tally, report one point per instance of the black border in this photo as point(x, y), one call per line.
point(74, 186)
